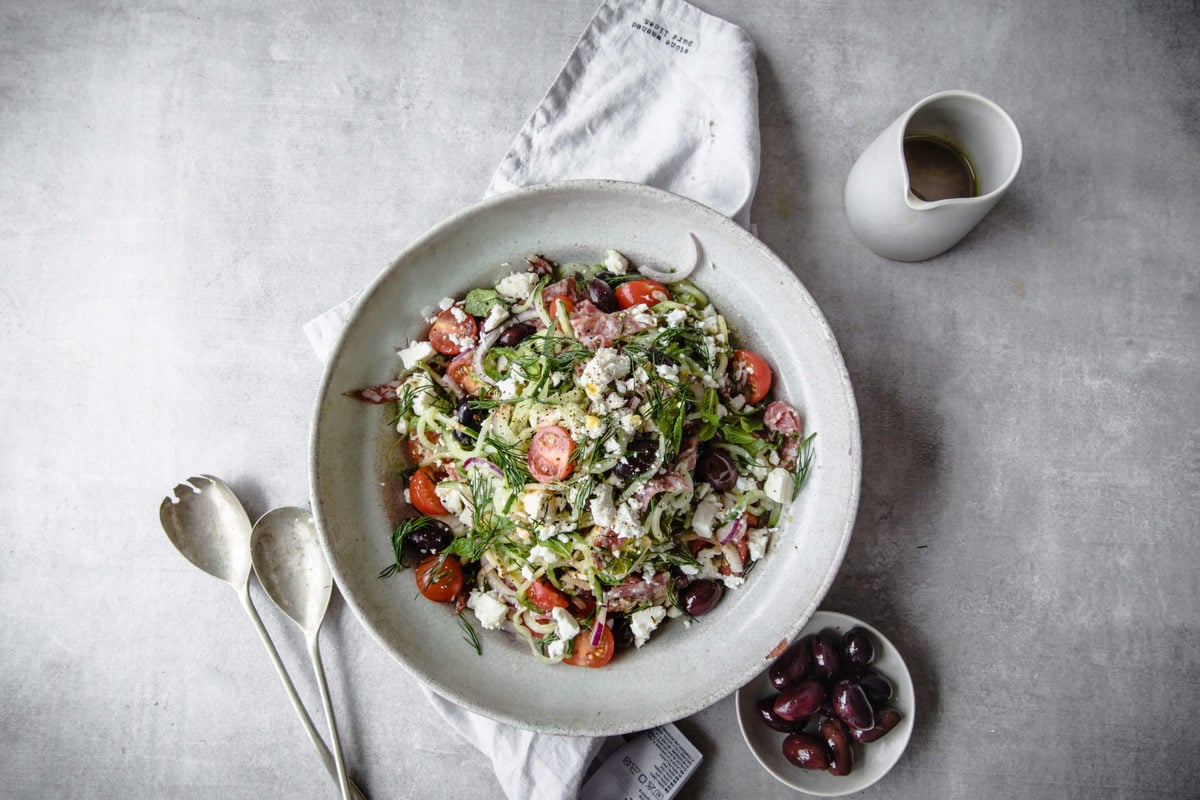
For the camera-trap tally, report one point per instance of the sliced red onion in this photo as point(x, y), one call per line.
point(729, 531)
point(676, 275)
point(598, 626)
point(476, 461)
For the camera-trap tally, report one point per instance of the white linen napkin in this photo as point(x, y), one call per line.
point(655, 92)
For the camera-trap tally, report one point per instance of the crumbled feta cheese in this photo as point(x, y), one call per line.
point(745, 484)
point(556, 649)
point(603, 512)
point(517, 286)
point(616, 263)
point(668, 371)
point(778, 485)
point(629, 422)
point(614, 401)
point(539, 553)
point(593, 426)
point(676, 316)
point(758, 539)
point(688, 569)
point(568, 628)
point(489, 609)
point(733, 581)
point(627, 524)
point(643, 622)
point(415, 353)
point(497, 315)
point(642, 315)
point(606, 366)
point(457, 312)
point(507, 388)
point(445, 303)
point(464, 341)
point(534, 503)
point(612, 446)
point(737, 402)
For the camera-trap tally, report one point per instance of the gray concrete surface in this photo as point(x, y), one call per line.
point(182, 185)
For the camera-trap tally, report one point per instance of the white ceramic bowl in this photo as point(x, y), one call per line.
point(871, 761)
point(681, 670)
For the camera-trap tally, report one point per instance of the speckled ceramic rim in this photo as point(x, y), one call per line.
point(877, 758)
point(683, 670)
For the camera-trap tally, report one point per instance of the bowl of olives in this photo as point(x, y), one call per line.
point(833, 713)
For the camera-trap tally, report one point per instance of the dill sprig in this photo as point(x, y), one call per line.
point(469, 633)
point(403, 529)
point(803, 463)
point(511, 460)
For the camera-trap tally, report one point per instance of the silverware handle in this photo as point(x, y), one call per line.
point(289, 687)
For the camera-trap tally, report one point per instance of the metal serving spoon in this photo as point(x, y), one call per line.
point(208, 525)
point(291, 567)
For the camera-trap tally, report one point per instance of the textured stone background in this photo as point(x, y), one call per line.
point(182, 185)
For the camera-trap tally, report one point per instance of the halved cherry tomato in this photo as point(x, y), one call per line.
point(585, 655)
point(449, 334)
point(642, 292)
point(550, 454)
point(440, 581)
point(462, 371)
point(544, 596)
point(750, 368)
point(422, 493)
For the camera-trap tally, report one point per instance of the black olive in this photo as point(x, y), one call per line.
point(470, 418)
point(716, 469)
point(431, 538)
point(601, 295)
point(515, 334)
point(638, 458)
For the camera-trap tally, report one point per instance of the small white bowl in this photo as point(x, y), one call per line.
point(871, 761)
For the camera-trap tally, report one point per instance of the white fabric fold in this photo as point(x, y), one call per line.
point(655, 92)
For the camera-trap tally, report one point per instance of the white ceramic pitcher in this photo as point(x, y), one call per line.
point(880, 204)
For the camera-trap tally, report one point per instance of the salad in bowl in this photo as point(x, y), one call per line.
point(585, 451)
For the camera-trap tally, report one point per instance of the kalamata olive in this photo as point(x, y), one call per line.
point(515, 334)
point(851, 704)
point(717, 469)
point(701, 596)
point(802, 700)
point(470, 418)
point(639, 456)
point(837, 742)
point(766, 712)
point(805, 751)
point(622, 633)
point(857, 648)
point(601, 295)
point(792, 667)
point(430, 539)
point(827, 657)
point(885, 720)
point(877, 688)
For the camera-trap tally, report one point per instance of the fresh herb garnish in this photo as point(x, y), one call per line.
point(403, 529)
point(469, 633)
point(803, 462)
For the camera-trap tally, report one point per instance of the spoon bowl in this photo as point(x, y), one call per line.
point(208, 525)
point(291, 567)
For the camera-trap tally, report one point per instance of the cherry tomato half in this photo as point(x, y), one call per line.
point(750, 368)
point(422, 493)
point(462, 371)
point(642, 292)
point(449, 333)
point(544, 596)
point(550, 454)
point(585, 655)
point(440, 581)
